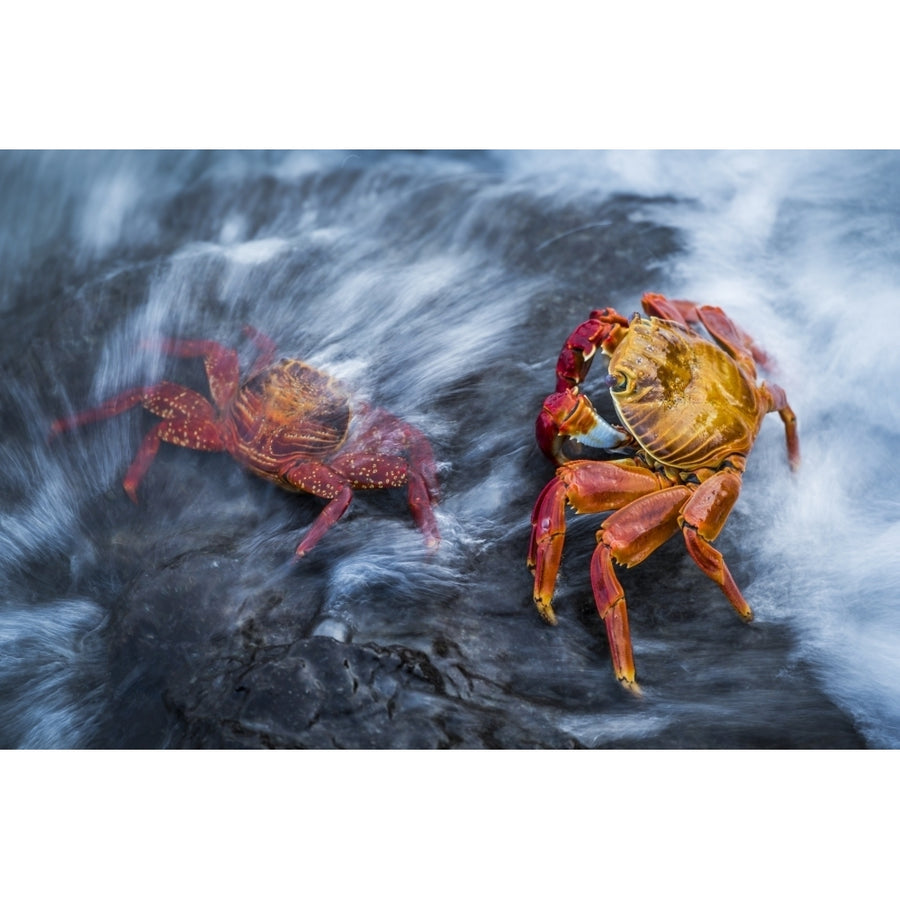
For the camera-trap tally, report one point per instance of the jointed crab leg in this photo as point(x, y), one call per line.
point(779, 404)
point(581, 345)
point(266, 347)
point(339, 495)
point(221, 364)
point(188, 421)
point(413, 466)
point(647, 519)
point(367, 466)
point(610, 600)
point(649, 509)
point(106, 410)
point(588, 487)
point(628, 537)
point(701, 520)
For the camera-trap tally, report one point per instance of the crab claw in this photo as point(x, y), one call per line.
point(568, 414)
point(601, 329)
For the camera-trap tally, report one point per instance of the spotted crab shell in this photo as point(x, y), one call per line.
point(291, 411)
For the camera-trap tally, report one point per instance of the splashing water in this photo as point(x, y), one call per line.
point(440, 286)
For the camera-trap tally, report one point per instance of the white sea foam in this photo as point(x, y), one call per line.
point(109, 203)
point(51, 671)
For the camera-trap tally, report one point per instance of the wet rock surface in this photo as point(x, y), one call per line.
point(442, 289)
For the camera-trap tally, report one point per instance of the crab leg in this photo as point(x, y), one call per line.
point(778, 403)
point(578, 351)
point(336, 482)
point(320, 481)
point(221, 364)
point(371, 470)
point(588, 486)
point(142, 460)
point(106, 410)
point(423, 490)
point(189, 421)
point(682, 311)
point(702, 520)
point(628, 537)
point(265, 346)
point(185, 432)
point(411, 464)
point(610, 600)
point(112, 407)
point(421, 500)
point(548, 535)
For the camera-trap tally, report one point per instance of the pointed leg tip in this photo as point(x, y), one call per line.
point(546, 611)
point(631, 686)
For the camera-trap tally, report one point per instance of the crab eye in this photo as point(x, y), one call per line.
point(617, 382)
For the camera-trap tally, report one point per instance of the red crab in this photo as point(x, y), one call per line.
point(287, 422)
point(690, 409)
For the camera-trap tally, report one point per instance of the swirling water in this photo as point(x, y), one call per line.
point(440, 286)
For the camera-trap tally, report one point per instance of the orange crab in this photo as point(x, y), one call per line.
point(287, 422)
point(691, 410)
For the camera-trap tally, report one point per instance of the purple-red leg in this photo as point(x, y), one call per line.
point(106, 410)
point(423, 491)
point(392, 453)
point(221, 364)
point(189, 421)
point(320, 481)
point(368, 466)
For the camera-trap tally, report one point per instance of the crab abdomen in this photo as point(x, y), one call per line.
point(288, 413)
point(685, 400)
